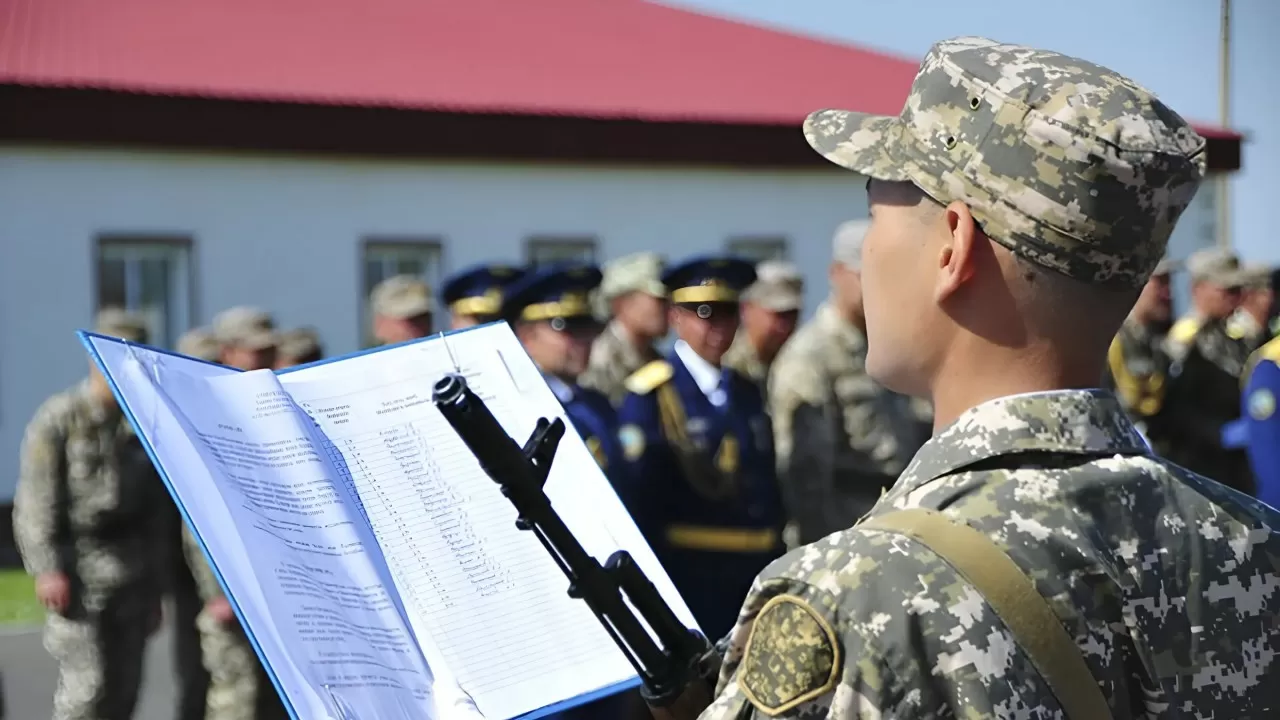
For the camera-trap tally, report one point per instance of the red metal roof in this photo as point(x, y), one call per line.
point(590, 58)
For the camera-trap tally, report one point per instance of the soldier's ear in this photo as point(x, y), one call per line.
point(956, 250)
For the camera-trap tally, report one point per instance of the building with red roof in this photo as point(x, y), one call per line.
point(183, 157)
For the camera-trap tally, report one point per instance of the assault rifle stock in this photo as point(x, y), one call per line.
point(676, 665)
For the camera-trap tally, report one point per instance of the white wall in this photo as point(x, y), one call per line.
point(284, 233)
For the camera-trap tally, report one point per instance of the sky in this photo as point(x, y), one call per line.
point(1170, 47)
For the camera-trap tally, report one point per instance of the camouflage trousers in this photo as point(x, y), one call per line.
point(100, 656)
point(239, 688)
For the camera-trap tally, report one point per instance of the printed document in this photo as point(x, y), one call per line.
point(375, 567)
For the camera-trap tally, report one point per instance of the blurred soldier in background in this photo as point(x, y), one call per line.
point(474, 296)
point(1137, 367)
point(770, 311)
point(1249, 322)
point(637, 299)
point(298, 347)
point(200, 344)
point(246, 338)
point(193, 678)
point(841, 438)
point(402, 309)
point(1215, 292)
point(1258, 430)
point(239, 688)
point(551, 312)
point(90, 522)
point(700, 449)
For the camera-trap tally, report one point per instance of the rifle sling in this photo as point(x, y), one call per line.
point(1015, 600)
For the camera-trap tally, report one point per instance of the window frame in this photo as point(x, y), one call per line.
point(178, 245)
point(532, 243)
point(733, 242)
point(431, 243)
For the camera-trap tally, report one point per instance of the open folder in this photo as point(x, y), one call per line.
point(375, 568)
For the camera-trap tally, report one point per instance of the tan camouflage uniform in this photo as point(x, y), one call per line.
point(299, 346)
point(239, 688)
point(1210, 265)
point(614, 357)
point(779, 287)
point(841, 438)
point(90, 504)
point(1166, 581)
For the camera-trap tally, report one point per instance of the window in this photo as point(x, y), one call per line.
point(541, 250)
point(387, 257)
point(149, 276)
point(758, 249)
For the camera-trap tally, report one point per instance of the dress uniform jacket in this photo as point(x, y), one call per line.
point(596, 421)
point(703, 484)
point(1258, 430)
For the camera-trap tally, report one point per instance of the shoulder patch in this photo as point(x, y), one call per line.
point(792, 656)
point(631, 437)
point(648, 378)
point(1262, 404)
point(1184, 331)
point(1271, 351)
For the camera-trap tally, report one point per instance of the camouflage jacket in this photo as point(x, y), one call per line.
point(613, 360)
point(743, 357)
point(1167, 581)
point(841, 438)
point(207, 584)
point(88, 500)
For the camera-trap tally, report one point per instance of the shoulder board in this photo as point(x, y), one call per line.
point(1184, 330)
point(648, 378)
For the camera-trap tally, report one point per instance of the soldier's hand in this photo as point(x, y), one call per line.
point(219, 609)
point(53, 590)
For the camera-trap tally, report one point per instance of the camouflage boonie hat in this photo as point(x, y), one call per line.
point(1064, 162)
point(200, 344)
point(779, 287)
point(246, 327)
point(1166, 266)
point(1215, 266)
point(120, 323)
point(637, 272)
point(402, 296)
point(846, 244)
point(300, 343)
point(1255, 276)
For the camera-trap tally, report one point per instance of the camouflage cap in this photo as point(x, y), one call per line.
point(402, 296)
point(245, 326)
point(120, 323)
point(199, 343)
point(637, 272)
point(300, 343)
point(779, 287)
point(1166, 266)
point(846, 245)
point(1214, 266)
point(1255, 276)
point(1064, 162)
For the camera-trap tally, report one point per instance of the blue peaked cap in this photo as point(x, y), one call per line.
point(479, 289)
point(709, 279)
point(557, 291)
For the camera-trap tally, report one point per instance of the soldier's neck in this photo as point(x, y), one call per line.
point(963, 383)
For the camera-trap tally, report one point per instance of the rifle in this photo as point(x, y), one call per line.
point(676, 665)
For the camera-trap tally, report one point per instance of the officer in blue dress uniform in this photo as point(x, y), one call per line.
point(1258, 429)
point(551, 312)
point(475, 295)
point(700, 449)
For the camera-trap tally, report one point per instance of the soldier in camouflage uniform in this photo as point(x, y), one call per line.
point(1250, 323)
point(633, 289)
point(90, 524)
point(402, 309)
point(1137, 367)
point(841, 438)
point(239, 688)
point(770, 311)
point(1215, 294)
point(1018, 206)
point(298, 347)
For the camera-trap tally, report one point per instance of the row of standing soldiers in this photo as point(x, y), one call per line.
point(1182, 381)
point(745, 437)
